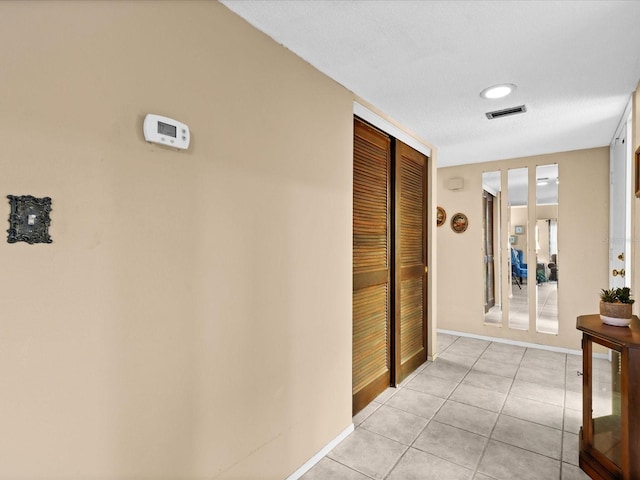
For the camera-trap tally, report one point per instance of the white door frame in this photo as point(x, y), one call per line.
point(620, 203)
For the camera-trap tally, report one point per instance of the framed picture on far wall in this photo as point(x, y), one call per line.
point(512, 239)
point(519, 229)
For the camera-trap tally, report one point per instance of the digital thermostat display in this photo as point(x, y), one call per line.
point(166, 131)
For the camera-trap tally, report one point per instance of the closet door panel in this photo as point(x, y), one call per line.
point(410, 262)
point(371, 264)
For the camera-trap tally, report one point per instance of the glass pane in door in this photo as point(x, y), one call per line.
point(607, 406)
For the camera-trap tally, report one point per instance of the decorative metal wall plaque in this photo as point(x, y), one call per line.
point(29, 219)
point(459, 222)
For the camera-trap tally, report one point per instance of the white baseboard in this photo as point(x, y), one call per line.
point(512, 342)
point(318, 456)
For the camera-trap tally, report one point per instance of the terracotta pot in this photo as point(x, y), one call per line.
point(617, 314)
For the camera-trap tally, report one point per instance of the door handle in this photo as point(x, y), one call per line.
point(620, 272)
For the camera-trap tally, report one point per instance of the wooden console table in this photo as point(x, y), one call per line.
point(610, 433)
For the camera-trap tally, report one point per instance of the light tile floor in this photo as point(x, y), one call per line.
point(481, 411)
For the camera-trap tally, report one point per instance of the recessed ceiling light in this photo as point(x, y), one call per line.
point(498, 91)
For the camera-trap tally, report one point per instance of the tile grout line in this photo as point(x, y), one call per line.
point(474, 470)
point(410, 446)
point(500, 412)
point(425, 427)
point(470, 369)
point(564, 408)
point(484, 450)
point(351, 468)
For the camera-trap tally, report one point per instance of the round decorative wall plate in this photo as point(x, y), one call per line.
point(441, 216)
point(459, 222)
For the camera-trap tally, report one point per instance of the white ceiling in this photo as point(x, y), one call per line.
point(424, 64)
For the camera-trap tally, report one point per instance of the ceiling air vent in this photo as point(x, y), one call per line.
point(506, 112)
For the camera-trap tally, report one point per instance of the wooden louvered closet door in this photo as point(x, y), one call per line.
point(371, 264)
point(410, 325)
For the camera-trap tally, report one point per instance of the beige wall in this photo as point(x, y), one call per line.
point(192, 318)
point(582, 245)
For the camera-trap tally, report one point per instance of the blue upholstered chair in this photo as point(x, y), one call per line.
point(518, 267)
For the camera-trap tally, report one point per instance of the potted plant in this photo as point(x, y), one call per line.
point(615, 306)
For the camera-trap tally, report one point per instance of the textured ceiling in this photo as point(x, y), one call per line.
point(424, 64)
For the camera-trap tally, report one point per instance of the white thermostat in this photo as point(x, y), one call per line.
point(166, 131)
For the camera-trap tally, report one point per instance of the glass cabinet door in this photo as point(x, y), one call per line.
point(610, 433)
point(606, 404)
